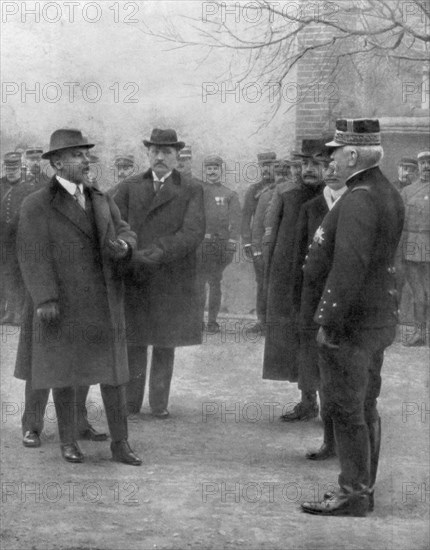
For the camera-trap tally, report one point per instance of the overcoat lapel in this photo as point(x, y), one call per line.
point(65, 204)
point(101, 213)
point(167, 192)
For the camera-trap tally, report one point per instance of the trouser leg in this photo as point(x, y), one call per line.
point(261, 299)
point(344, 381)
point(137, 361)
point(215, 279)
point(65, 407)
point(114, 400)
point(201, 283)
point(160, 377)
point(81, 407)
point(34, 409)
point(308, 375)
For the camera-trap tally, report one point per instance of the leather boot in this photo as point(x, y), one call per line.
point(305, 410)
point(328, 448)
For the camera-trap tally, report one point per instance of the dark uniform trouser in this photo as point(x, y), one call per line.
point(418, 276)
point(159, 379)
point(72, 415)
point(211, 273)
point(261, 297)
point(351, 383)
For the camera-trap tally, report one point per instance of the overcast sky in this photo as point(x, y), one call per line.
point(139, 83)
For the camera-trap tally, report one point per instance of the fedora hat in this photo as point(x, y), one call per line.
point(168, 138)
point(66, 138)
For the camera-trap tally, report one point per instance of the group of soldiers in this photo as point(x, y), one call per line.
point(106, 275)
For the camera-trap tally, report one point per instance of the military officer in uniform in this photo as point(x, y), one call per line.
point(185, 161)
point(415, 249)
point(407, 170)
point(221, 242)
point(124, 166)
point(33, 160)
point(14, 187)
point(252, 196)
point(354, 250)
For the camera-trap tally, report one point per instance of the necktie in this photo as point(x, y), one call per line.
point(79, 197)
point(157, 185)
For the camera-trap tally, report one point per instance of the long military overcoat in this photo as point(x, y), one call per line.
point(63, 257)
point(282, 339)
point(162, 301)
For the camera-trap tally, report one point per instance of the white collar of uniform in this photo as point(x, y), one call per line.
point(69, 186)
point(332, 196)
point(163, 179)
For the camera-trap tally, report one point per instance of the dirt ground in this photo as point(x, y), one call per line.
point(223, 472)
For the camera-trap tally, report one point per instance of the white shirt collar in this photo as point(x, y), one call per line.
point(332, 196)
point(163, 179)
point(69, 186)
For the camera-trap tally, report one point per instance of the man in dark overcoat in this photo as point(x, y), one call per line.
point(282, 339)
point(72, 246)
point(162, 308)
point(354, 250)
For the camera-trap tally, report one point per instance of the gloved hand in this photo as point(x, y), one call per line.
point(248, 252)
point(326, 339)
point(118, 249)
point(48, 312)
point(149, 256)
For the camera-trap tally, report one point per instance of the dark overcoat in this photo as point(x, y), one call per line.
point(162, 301)
point(282, 339)
point(63, 257)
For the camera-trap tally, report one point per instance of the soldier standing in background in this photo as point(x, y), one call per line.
point(252, 196)
point(185, 161)
point(223, 216)
point(416, 246)
point(14, 187)
point(407, 170)
point(33, 160)
point(124, 167)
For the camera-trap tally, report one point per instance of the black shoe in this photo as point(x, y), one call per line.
point(121, 452)
point(301, 412)
point(338, 504)
point(92, 435)
point(31, 439)
point(213, 327)
point(163, 414)
point(71, 452)
point(371, 498)
point(324, 452)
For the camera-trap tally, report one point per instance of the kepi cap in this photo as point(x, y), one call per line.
point(423, 155)
point(12, 159)
point(266, 157)
point(213, 160)
point(358, 131)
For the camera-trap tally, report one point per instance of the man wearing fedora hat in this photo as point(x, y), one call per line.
point(162, 308)
point(353, 251)
point(72, 247)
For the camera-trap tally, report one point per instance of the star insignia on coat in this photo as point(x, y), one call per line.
point(319, 235)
